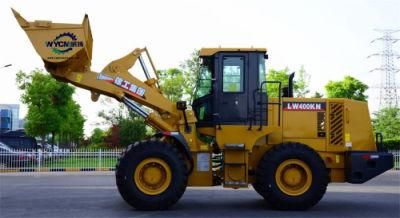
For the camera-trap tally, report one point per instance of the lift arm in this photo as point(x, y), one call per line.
point(66, 50)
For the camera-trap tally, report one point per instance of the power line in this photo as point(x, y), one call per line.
point(388, 89)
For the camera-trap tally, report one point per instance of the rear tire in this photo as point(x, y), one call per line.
point(291, 176)
point(151, 175)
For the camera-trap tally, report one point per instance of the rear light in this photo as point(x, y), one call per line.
point(370, 156)
point(167, 133)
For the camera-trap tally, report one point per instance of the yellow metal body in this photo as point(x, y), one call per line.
point(343, 125)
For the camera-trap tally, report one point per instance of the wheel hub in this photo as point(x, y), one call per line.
point(293, 177)
point(152, 176)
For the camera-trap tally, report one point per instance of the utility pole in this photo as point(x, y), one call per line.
point(388, 95)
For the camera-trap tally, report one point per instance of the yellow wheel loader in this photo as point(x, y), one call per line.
point(234, 134)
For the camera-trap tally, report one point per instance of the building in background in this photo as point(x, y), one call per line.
point(5, 120)
point(9, 117)
point(22, 123)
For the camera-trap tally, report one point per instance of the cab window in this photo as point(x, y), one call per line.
point(261, 69)
point(204, 82)
point(233, 74)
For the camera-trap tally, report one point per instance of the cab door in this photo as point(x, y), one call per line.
point(232, 100)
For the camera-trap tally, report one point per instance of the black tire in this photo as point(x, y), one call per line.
point(127, 164)
point(266, 184)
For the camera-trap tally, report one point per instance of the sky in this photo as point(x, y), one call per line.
point(330, 39)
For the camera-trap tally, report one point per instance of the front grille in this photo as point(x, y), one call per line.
point(336, 130)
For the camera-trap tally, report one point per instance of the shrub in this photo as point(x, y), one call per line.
point(392, 144)
point(95, 146)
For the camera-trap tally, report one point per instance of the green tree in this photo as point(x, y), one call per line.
point(277, 75)
point(172, 83)
point(125, 126)
point(180, 83)
point(113, 115)
point(349, 87)
point(301, 83)
point(191, 70)
point(97, 136)
point(71, 130)
point(387, 121)
point(131, 129)
point(97, 139)
point(49, 103)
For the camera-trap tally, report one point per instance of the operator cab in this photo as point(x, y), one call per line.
point(228, 84)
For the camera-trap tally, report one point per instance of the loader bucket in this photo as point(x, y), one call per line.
point(63, 47)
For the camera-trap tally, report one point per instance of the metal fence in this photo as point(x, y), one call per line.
point(58, 161)
point(396, 159)
point(76, 160)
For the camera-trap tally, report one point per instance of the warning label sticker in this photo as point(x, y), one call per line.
point(203, 162)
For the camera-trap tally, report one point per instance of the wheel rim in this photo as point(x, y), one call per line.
point(293, 177)
point(152, 176)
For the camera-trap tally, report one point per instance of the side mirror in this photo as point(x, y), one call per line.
point(181, 105)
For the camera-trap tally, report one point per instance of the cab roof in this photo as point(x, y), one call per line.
point(212, 51)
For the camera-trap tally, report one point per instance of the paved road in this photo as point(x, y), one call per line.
point(95, 195)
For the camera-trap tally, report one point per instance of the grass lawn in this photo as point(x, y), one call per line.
point(80, 162)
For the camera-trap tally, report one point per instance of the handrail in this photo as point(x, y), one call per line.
point(268, 103)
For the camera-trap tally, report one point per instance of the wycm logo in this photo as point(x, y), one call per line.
point(64, 43)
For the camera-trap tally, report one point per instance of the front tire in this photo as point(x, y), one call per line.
point(291, 176)
point(151, 175)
